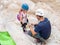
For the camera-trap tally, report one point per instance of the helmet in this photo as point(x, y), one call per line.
point(39, 12)
point(25, 6)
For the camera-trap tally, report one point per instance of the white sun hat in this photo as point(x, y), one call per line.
point(39, 12)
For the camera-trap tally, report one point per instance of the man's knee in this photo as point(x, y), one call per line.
point(29, 33)
point(37, 36)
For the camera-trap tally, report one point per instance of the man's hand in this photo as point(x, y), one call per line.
point(30, 26)
point(34, 23)
point(32, 29)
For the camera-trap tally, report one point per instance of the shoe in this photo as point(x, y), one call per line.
point(24, 31)
point(38, 40)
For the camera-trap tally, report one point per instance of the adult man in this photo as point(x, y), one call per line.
point(42, 30)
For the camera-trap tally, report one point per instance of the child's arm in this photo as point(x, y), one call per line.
point(21, 19)
point(20, 16)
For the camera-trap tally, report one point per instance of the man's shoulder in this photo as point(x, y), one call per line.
point(46, 19)
point(40, 24)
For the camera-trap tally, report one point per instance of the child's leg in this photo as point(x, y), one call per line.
point(24, 27)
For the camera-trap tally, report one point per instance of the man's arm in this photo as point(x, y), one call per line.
point(32, 30)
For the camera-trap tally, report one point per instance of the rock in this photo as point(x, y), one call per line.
point(10, 8)
point(13, 6)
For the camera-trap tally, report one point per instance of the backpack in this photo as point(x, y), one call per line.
point(18, 17)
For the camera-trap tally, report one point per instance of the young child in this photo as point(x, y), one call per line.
point(22, 17)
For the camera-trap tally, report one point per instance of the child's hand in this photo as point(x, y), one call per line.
point(21, 22)
point(30, 25)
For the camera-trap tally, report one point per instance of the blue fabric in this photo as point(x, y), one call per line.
point(44, 28)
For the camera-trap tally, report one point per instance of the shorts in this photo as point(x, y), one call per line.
point(24, 25)
point(37, 36)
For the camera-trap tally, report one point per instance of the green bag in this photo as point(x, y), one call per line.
point(5, 39)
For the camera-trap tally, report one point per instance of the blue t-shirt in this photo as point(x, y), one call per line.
point(44, 28)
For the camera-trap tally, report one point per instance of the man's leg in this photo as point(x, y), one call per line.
point(29, 33)
point(37, 36)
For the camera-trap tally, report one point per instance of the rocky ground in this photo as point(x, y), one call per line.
point(8, 21)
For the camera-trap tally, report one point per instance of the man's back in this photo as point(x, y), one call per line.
point(44, 28)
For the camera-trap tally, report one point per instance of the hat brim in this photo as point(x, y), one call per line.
point(38, 14)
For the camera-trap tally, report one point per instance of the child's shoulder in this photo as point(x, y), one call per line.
point(20, 13)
